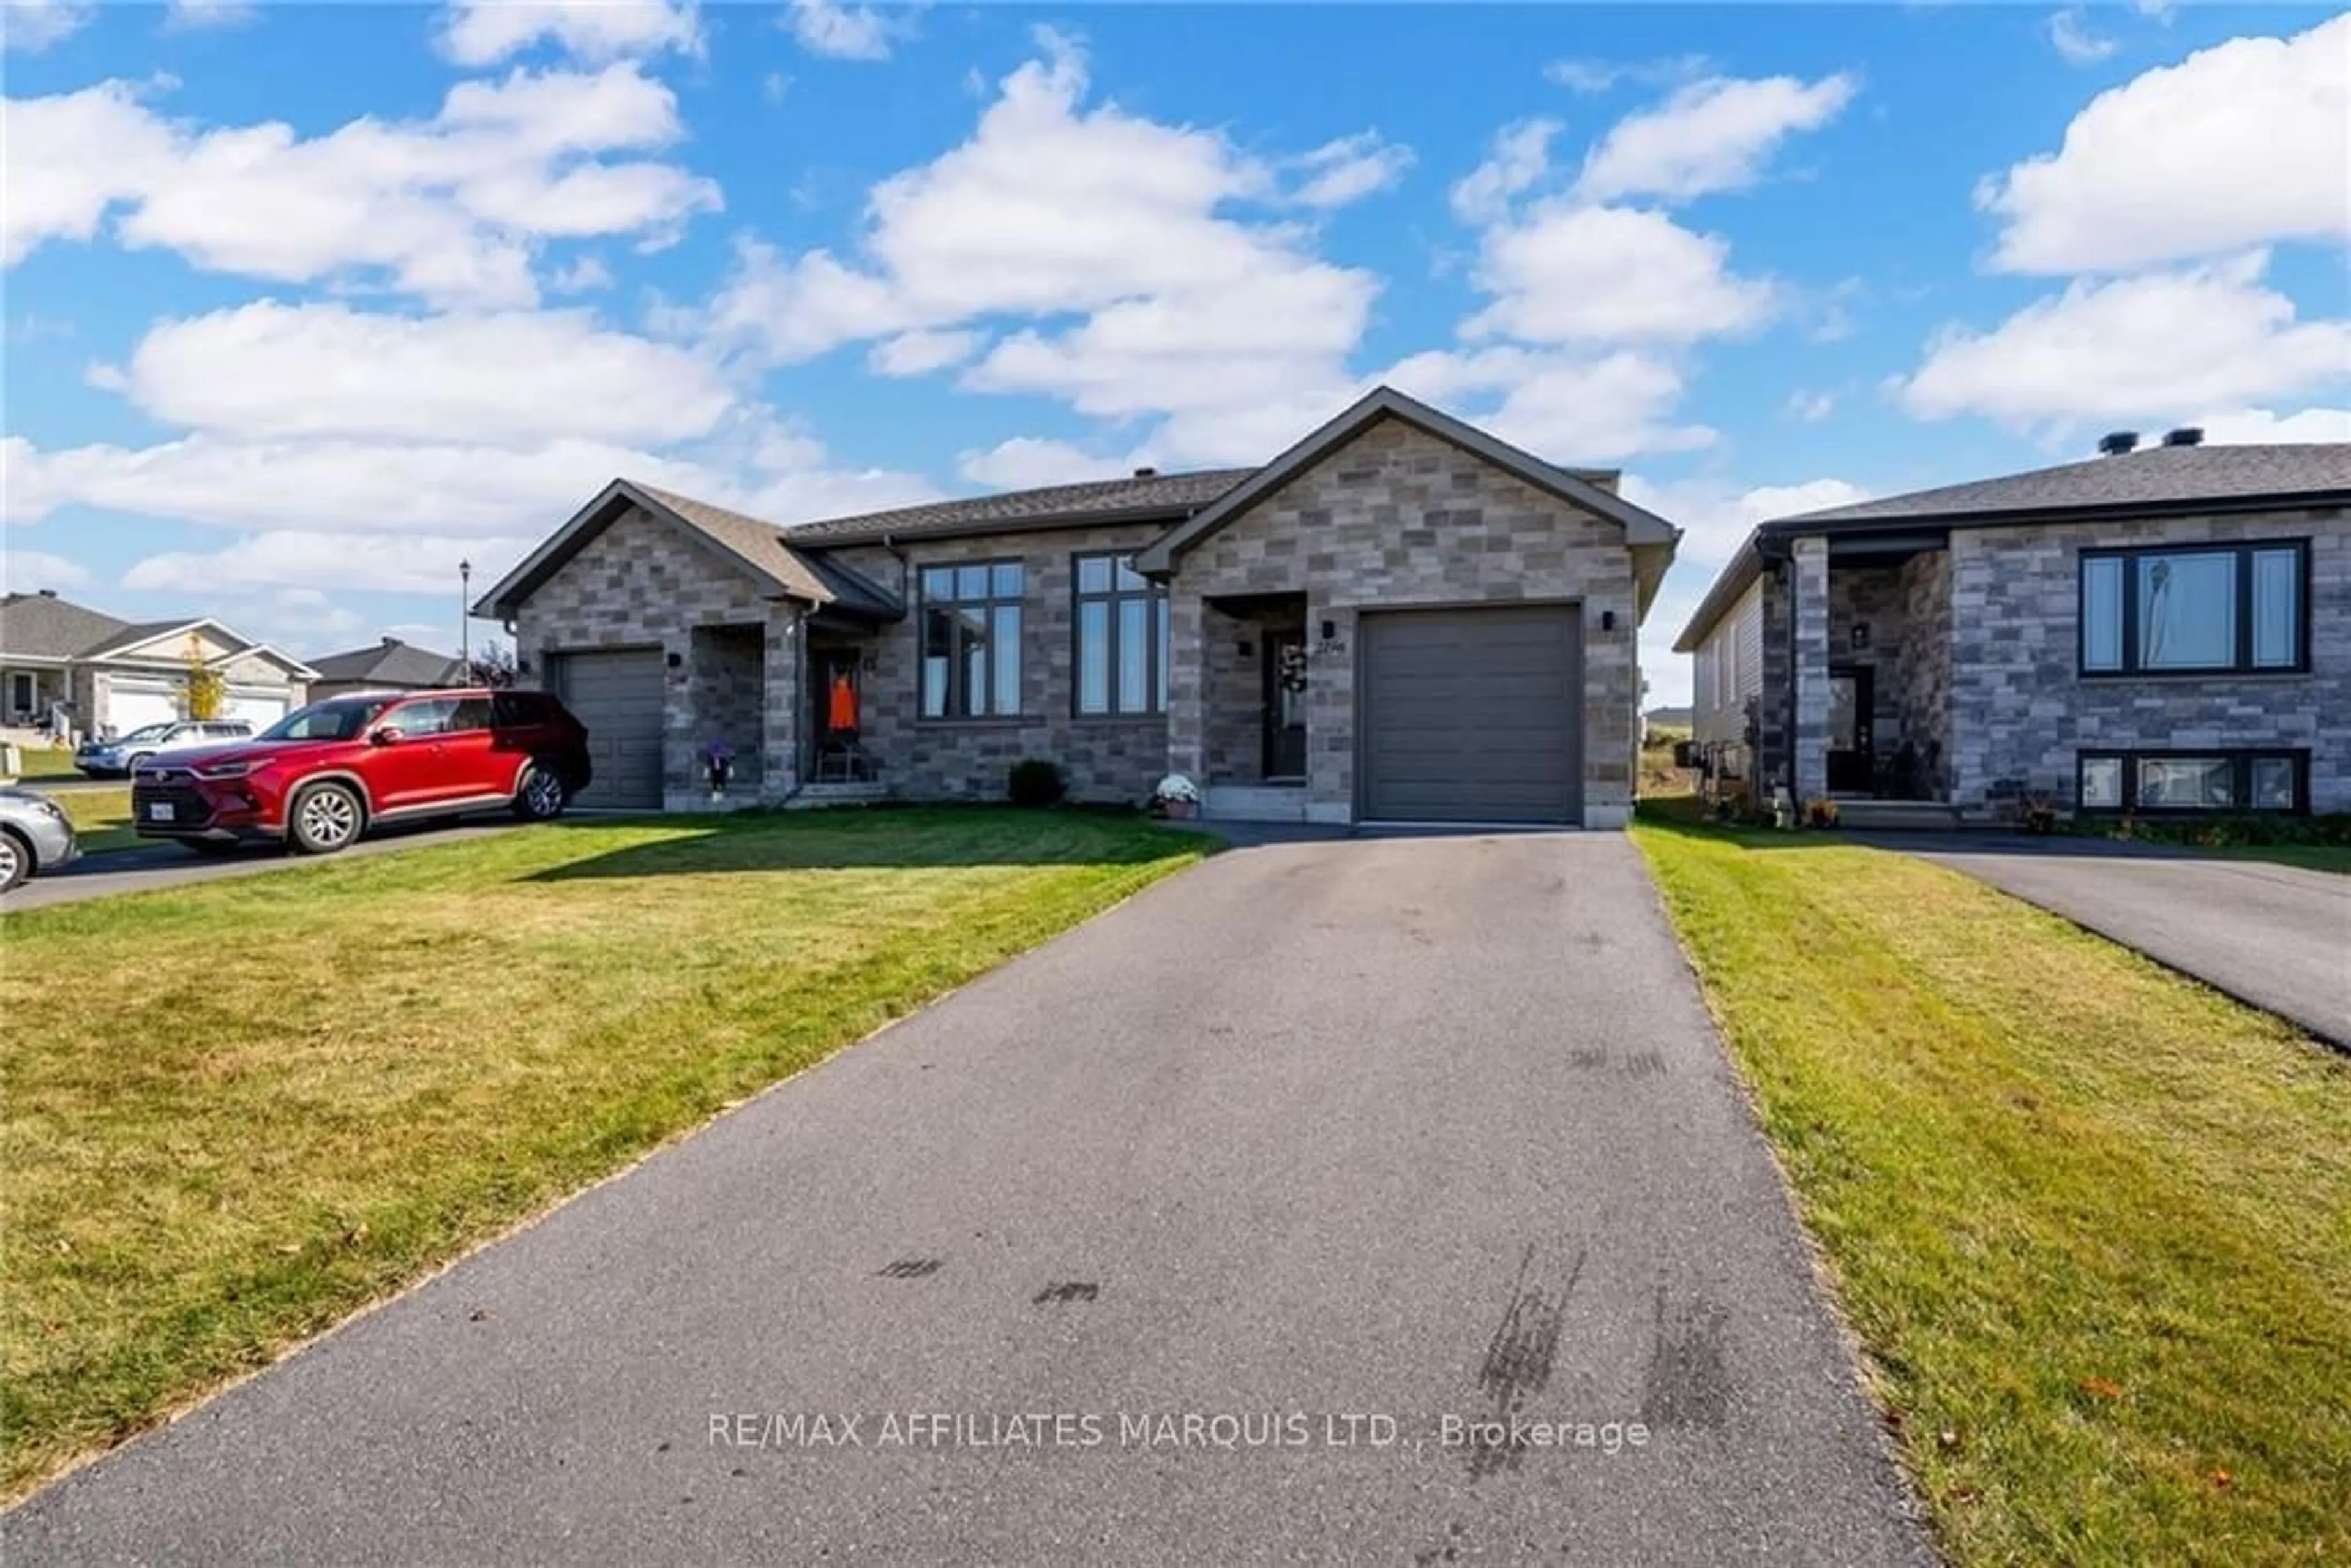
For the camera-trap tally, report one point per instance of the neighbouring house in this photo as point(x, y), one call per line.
point(1401, 618)
point(390, 666)
point(108, 675)
point(2157, 629)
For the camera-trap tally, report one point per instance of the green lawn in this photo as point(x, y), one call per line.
point(100, 817)
point(43, 764)
point(277, 1098)
point(2091, 1222)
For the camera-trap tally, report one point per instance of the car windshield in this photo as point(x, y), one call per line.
point(340, 718)
point(150, 732)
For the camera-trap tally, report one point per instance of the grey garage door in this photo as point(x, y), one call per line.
point(618, 696)
point(1472, 716)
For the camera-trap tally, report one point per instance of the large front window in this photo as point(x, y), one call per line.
point(971, 639)
point(1121, 623)
point(2196, 610)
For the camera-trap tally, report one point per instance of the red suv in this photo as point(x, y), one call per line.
point(322, 776)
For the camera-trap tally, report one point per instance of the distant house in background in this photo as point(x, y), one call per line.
point(2160, 629)
point(107, 675)
point(390, 666)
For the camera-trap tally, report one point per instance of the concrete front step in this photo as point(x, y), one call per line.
point(1900, 816)
point(866, 793)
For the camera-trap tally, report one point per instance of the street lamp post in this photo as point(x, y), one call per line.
point(464, 617)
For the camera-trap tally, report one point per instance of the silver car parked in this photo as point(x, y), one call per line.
point(34, 836)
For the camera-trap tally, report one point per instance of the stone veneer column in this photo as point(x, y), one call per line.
point(1187, 685)
point(1811, 588)
point(783, 701)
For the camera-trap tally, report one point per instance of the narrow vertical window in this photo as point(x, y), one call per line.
point(2102, 613)
point(2277, 620)
point(1121, 627)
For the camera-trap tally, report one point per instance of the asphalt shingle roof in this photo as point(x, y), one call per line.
point(393, 663)
point(2155, 479)
point(1171, 495)
point(2155, 474)
point(40, 626)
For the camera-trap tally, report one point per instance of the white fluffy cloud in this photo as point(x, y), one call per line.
point(352, 486)
point(922, 353)
point(1713, 135)
point(27, 570)
point(2140, 348)
point(1565, 272)
point(1219, 324)
point(270, 372)
point(2258, 426)
point(200, 16)
point(1519, 158)
point(1566, 407)
point(1029, 462)
point(2077, 45)
point(297, 558)
point(484, 32)
point(844, 32)
point(453, 209)
point(1338, 172)
point(2245, 143)
point(32, 25)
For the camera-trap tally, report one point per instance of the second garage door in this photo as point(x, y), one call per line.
point(618, 696)
point(1472, 716)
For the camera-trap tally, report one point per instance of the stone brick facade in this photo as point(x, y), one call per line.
point(1394, 517)
point(2021, 711)
point(1103, 758)
point(1809, 604)
point(1400, 518)
point(642, 582)
point(1926, 586)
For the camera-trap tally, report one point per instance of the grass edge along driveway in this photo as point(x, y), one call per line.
point(303, 1093)
point(2091, 1222)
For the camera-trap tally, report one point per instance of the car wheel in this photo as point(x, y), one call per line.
point(323, 818)
point(15, 860)
point(540, 796)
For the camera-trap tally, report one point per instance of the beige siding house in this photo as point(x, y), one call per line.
point(1399, 619)
point(105, 676)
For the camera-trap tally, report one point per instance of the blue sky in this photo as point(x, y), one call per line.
point(305, 304)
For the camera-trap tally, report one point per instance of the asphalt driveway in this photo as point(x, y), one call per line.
point(1192, 1236)
point(2274, 935)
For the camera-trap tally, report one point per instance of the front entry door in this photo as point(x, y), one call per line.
point(1852, 751)
point(1285, 704)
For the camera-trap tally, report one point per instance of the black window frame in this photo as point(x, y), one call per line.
point(955, 709)
point(1152, 595)
point(2241, 760)
point(2242, 551)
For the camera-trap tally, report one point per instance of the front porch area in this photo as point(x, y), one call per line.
point(1255, 685)
point(1870, 647)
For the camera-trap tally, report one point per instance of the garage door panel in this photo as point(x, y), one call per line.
point(619, 695)
point(1472, 715)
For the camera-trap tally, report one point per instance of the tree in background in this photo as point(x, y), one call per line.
point(207, 688)
point(494, 665)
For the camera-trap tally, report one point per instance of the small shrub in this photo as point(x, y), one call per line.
point(1036, 782)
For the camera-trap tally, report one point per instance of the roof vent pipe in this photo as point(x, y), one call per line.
point(2186, 436)
point(2120, 442)
point(1146, 473)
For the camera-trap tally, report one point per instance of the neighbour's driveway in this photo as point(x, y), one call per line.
point(161, 865)
point(1356, 1133)
point(2277, 936)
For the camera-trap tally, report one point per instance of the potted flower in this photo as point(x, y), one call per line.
point(1175, 796)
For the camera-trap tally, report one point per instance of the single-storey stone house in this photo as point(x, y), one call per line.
point(2158, 629)
point(1401, 618)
